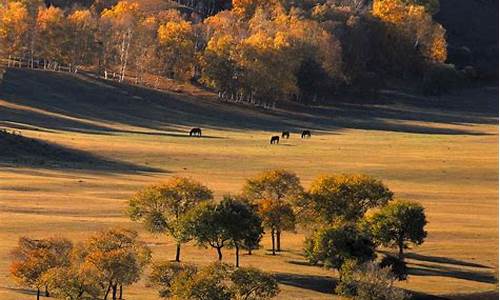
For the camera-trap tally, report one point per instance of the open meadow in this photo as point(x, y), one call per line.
point(441, 152)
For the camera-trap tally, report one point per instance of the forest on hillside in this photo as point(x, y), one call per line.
point(245, 50)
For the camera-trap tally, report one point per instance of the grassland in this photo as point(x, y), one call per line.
point(115, 139)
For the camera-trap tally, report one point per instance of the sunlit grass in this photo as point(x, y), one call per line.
point(455, 176)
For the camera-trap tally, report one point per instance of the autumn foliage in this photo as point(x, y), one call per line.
point(344, 217)
point(259, 52)
point(97, 268)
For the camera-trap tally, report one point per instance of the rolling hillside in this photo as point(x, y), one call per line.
point(84, 146)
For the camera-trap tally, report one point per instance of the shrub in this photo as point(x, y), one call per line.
point(164, 274)
point(338, 243)
point(370, 282)
point(440, 79)
point(215, 281)
point(397, 266)
point(253, 284)
point(346, 285)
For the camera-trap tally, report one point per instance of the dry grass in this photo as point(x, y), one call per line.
point(447, 159)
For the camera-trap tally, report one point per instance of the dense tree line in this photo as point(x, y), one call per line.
point(247, 50)
point(345, 219)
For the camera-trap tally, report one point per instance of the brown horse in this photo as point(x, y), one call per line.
point(195, 132)
point(305, 134)
point(285, 134)
point(275, 139)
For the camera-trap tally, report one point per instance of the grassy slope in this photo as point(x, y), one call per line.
point(442, 153)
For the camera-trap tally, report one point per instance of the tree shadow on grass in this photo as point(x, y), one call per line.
point(321, 284)
point(492, 295)
point(326, 284)
point(444, 260)
point(17, 150)
point(57, 101)
point(302, 263)
point(22, 290)
point(417, 269)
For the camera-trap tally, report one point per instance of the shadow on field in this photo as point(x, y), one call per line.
point(22, 291)
point(435, 270)
point(301, 263)
point(81, 103)
point(17, 150)
point(444, 260)
point(322, 284)
point(493, 295)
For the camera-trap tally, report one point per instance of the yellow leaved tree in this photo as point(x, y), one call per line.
point(118, 30)
point(82, 26)
point(415, 25)
point(52, 35)
point(177, 48)
point(14, 24)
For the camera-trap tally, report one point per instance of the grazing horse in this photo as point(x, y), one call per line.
point(306, 134)
point(285, 134)
point(195, 132)
point(275, 139)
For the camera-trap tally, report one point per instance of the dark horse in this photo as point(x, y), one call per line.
point(285, 134)
point(306, 134)
point(195, 132)
point(275, 139)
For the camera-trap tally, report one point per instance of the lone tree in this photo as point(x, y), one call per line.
point(33, 258)
point(246, 231)
point(117, 257)
point(335, 245)
point(344, 197)
point(163, 207)
point(284, 190)
point(276, 216)
point(398, 224)
point(229, 223)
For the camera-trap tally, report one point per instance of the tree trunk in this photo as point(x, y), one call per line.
point(107, 292)
point(272, 239)
point(178, 253)
point(114, 291)
point(278, 240)
point(37, 293)
point(47, 292)
point(249, 251)
point(219, 252)
point(401, 247)
point(237, 256)
point(121, 292)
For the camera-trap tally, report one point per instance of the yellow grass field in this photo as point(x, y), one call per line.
point(442, 152)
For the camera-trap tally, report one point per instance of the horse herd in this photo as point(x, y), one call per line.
point(274, 139)
point(286, 135)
